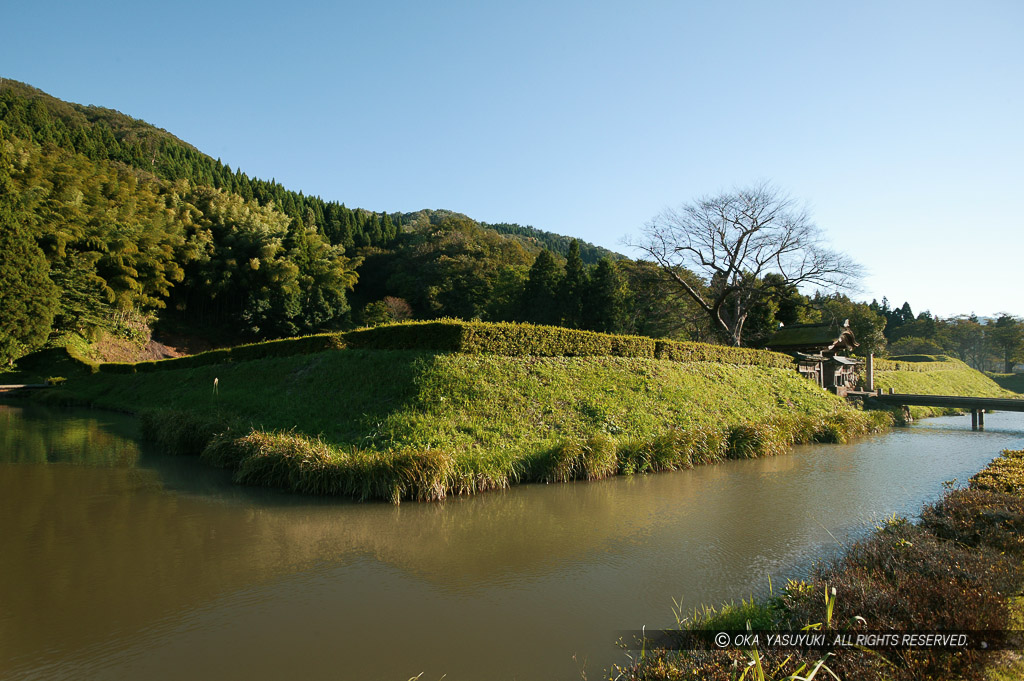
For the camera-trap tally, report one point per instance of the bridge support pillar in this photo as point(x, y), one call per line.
point(981, 419)
point(974, 419)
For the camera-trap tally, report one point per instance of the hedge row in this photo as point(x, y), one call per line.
point(686, 351)
point(936, 363)
point(474, 338)
point(279, 348)
point(920, 358)
point(548, 341)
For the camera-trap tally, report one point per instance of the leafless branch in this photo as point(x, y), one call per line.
point(733, 240)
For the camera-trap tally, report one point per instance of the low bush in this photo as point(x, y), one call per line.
point(1005, 474)
point(979, 517)
point(906, 578)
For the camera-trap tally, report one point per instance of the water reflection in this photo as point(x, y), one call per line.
point(130, 564)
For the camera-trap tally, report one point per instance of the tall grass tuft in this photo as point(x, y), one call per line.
point(299, 464)
point(673, 449)
point(476, 472)
point(754, 440)
point(590, 459)
point(224, 450)
point(281, 460)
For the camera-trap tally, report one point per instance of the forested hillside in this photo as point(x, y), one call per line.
point(113, 228)
point(135, 228)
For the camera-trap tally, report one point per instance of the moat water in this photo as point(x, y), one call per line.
point(119, 562)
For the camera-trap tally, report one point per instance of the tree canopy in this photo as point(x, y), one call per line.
point(733, 241)
point(28, 297)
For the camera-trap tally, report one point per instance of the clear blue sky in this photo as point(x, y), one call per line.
point(899, 123)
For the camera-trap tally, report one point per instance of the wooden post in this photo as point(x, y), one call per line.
point(974, 419)
point(871, 372)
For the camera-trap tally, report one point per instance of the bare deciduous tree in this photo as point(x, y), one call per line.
point(732, 241)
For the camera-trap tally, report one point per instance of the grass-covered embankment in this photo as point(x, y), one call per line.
point(460, 417)
point(939, 376)
point(957, 570)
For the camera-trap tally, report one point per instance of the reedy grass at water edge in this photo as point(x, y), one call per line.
point(496, 420)
point(299, 463)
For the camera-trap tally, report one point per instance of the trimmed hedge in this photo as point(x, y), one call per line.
point(936, 363)
point(548, 341)
point(475, 338)
point(285, 347)
point(305, 345)
point(920, 358)
point(433, 336)
point(686, 351)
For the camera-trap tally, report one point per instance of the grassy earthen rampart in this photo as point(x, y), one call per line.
point(945, 377)
point(429, 409)
point(423, 424)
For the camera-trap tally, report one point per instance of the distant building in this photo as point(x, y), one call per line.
point(816, 350)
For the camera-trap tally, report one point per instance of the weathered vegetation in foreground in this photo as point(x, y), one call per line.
point(956, 570)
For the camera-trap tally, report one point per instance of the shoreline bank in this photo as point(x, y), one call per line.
point(960, 569)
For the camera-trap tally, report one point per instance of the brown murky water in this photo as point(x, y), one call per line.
point(117, 562)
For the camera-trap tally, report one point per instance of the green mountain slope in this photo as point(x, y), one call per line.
point(141, 230)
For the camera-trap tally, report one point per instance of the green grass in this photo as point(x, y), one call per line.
point(318, 415)
point(950, 377)
point(403, 424)
point(386, 399)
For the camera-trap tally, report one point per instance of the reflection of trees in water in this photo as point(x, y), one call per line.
point(41, 436)
point(93, 551)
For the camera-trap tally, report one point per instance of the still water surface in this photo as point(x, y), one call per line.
point(117, 562)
